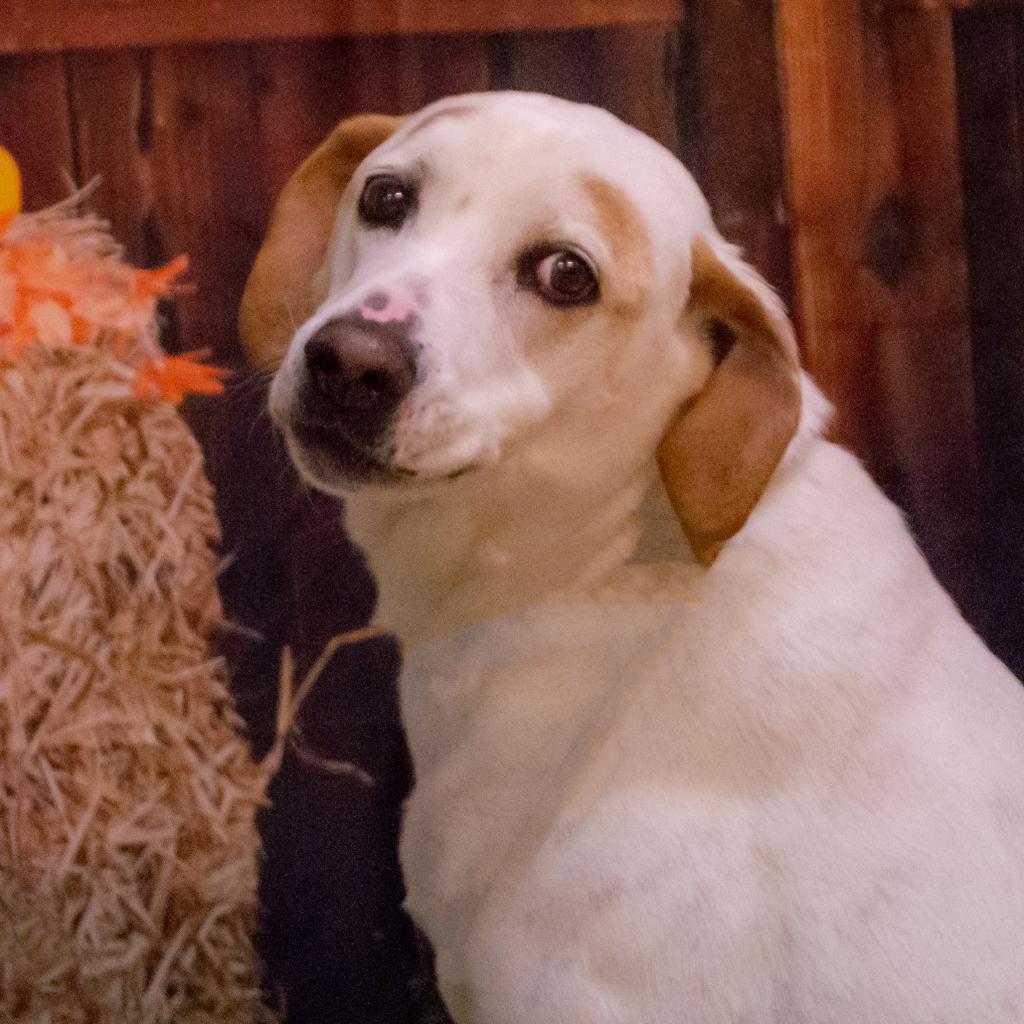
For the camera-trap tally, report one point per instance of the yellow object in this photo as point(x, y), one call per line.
point(10, 184)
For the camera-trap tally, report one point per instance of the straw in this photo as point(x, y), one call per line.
point(128, 797)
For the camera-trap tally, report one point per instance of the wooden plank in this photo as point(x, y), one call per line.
point(559, 63)
point(35, 125)
point(629, 71)
point(205, 183)
point(990, 52)
point(62, 24)
point(299, 95)
point(112, 116)
point(926, 371)
point(730, 128)
point(879, 269)
point(302, 89)
point(636, 69)
point(951, 5)
point(400, 75)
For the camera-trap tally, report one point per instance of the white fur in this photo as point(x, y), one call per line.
point(785, 790)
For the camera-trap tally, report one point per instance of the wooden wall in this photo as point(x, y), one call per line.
point(868, 156)
point(989, 45)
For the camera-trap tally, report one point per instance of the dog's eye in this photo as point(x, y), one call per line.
point(565, 278)
point(386, 201)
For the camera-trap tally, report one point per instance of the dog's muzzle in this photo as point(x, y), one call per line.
point(355, 374)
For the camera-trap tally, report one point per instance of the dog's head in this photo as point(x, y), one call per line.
point(509, 278)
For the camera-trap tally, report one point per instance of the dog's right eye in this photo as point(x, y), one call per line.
point(562, 277)
point(386, 201)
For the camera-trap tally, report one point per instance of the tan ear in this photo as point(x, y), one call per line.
point(284, 287)
point(720, 451)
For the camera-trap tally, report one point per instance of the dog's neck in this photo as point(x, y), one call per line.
point(458, 552)
point(451, 554)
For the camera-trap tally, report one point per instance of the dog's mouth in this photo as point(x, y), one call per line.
point(331, 459)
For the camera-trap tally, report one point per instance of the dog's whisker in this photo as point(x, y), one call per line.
point(291, 316)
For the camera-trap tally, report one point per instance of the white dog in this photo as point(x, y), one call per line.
point(776, 779)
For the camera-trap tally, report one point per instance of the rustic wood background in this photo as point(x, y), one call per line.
point(868, 156)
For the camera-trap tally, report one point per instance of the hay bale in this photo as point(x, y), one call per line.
point(128, 847)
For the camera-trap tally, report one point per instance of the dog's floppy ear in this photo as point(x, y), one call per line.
point(284, 287)
point(723, 446)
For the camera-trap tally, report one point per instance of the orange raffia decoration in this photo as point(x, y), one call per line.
point(62, 289)
point(173, 377)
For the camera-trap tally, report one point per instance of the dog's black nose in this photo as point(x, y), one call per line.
point(358, 372)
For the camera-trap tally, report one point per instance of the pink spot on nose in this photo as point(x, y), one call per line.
point(385, 308)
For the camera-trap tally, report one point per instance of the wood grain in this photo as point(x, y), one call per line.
point(637, 68)
point(559, 63)
point(302, 89)
point(990, 52)
point(730, 127)
point(112, 122)
point(206, 186)
point(879, 269)
point(952, 5)
point(35, 125)
point(62, 24)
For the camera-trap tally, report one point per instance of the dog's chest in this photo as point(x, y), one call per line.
point(550, 829)
point(512, 724)
point(605, 803)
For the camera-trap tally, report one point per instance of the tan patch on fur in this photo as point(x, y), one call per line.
point(620, 222)
point(720, 452)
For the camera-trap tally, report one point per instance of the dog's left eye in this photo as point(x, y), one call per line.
point(386, 201)
point(563, 277)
